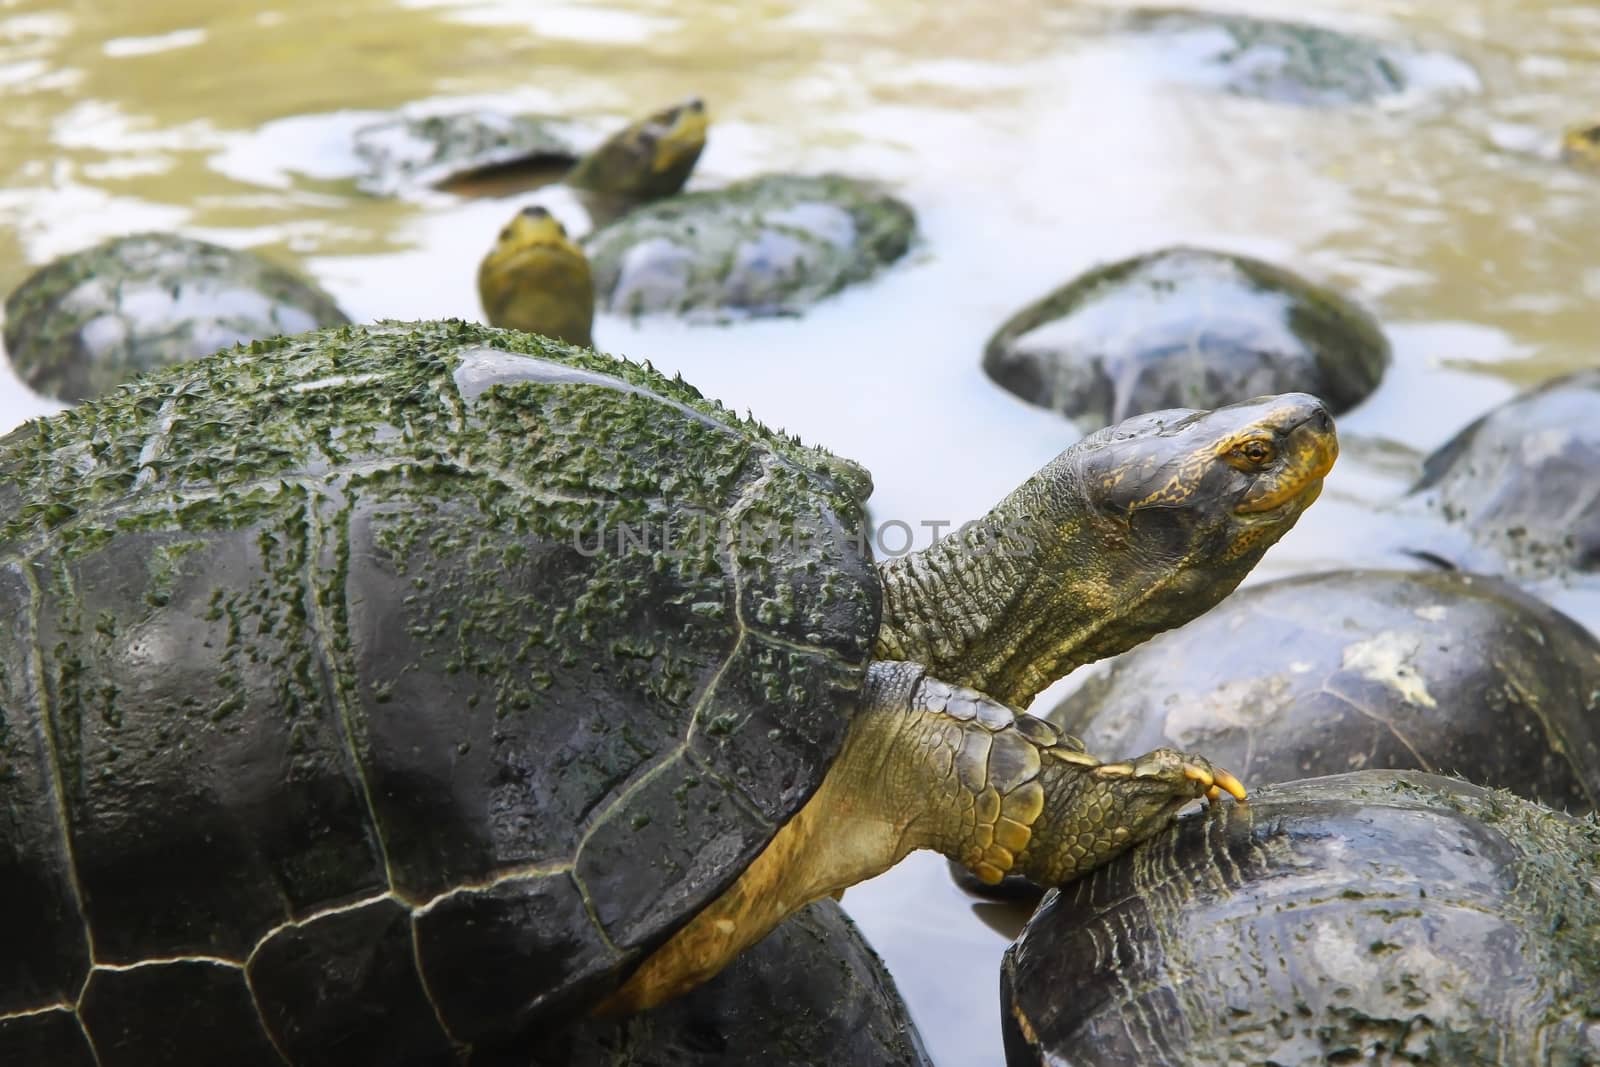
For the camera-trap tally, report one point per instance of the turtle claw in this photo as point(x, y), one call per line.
point(1214, 780)
point(1232, 785)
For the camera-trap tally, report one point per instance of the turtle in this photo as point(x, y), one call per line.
point(1366, 917)
point(490, 152)
point(1293, 63)
point(766, 246)
point(403, 691)
point(1185, 327)
point(1580, 146)
point(93, 319)
point(811, 990)
point(1514, 492)
point(1438, 671)
point(535, 279)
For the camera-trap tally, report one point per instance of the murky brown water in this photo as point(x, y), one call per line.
point(1031, 146)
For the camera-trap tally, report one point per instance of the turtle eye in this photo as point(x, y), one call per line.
point(1252, 454)
point(505, 234)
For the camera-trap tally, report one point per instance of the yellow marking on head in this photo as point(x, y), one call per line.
point(1581, 145)
point(685, 137)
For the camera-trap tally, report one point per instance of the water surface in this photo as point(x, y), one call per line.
point(1031, 144)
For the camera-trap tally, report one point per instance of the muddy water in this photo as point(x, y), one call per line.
point(1030, 143)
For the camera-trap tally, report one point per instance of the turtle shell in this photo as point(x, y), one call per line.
point(1370, 917)
point(1516, 489)
point(1295, 63)
point(388, 692)
point(771, 245)
point(1322, 673)
point(1185, 327)
point(409, 152)
point(91, 320)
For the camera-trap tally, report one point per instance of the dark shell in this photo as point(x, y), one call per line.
point(811, 992)
point(772, 245)
point(1322, 673)
point(89, 321)
point(420, 152)
point(426, 675)
point(1376, 917)
point(1185, 328)
point(1292, 62)
point(1519, 488)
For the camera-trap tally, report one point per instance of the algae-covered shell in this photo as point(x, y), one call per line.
point(91, 320)
point(1346, 670)
point(1373, 917)
point(772, 245)
point(1185, 327)
point(422, 151)
point(1293, 62)
point(390, 690)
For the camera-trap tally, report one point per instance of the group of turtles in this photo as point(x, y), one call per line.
point(436, 693)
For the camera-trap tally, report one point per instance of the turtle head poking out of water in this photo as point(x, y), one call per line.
point(536, 280)
point(651, 158)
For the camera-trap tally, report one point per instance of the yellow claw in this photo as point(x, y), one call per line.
point(1234, 787)
point(1196, 773)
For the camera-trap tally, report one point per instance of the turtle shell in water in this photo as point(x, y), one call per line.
point(1372, 917)
point(1516, 490)
point(772, 245)
point(1322, 673)
point(384, 692)
point(91, 320)
point(1292, 62)
point(424, 151)
point(1185, 327)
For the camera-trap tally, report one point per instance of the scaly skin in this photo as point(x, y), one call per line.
point(932, 765)
point(1581, 146)
point(650, 159)
point(535, 280)
point(1134, 530)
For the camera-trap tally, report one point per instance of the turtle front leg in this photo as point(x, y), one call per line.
point(927, 764)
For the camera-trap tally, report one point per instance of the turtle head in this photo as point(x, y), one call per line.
point(532, 227)
point(1581, 145)
point(1133, 530)
point(536, 280)
point(651, 158)
point(1161, 516)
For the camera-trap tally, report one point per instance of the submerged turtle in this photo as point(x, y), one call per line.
point(1292, 62)
point(1372, 917)
point(811, 991)
point(473, 151)
point(1433, 671)
point(772, 245)
point(1581, 146)
point(91, 320)
point(403, 691)
point(1185, 327)
point(535, 279)
point(1516, 490)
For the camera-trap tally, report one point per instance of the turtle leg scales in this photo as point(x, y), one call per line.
point(927, 764)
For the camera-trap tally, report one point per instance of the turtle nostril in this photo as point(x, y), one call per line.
point(1322, 421)
point(534, 211)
